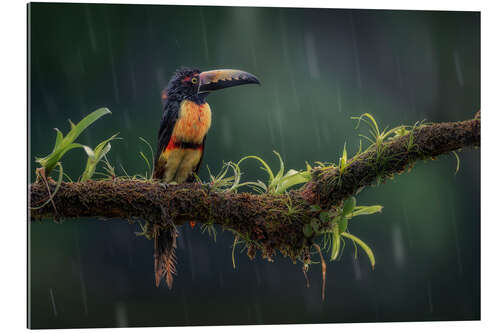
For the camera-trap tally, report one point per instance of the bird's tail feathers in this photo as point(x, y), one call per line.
point(165, 243)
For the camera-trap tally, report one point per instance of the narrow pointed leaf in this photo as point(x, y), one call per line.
point(367, 210)
point(363, 245)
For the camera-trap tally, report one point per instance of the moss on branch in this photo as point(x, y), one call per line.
point(268, 222)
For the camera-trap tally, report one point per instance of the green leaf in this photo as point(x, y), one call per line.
point(336, 243)
point(282, 167)
point(343, 159)
point(372, 123)
point(152, 155)
point(315, 224)
point(145, 160)
point(76, 130)
point(366, 210)
point(292, 178)
point(307, 230)
point(59, 137)
point(363, 245)
point(64, 144)
point(95, 156)
point(349, 205)
point(315, 208)
point(261, 184)
point(264, 164)
point(342, 224)
point(324, 216)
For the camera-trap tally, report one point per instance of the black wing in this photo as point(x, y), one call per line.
point(170, 115)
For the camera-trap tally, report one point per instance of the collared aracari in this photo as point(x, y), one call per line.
point(181, 142)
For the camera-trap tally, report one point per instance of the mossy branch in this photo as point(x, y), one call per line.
point(393, 157)
point(269, 222)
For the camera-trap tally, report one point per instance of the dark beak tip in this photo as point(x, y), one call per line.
point(254, 80)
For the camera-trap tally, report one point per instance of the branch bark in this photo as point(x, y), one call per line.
point(267, 222)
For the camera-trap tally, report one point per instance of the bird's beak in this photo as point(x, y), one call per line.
point(224, 78)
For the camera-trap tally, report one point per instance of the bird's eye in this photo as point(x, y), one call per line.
point(194, 80)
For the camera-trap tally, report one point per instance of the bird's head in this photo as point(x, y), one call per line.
point(191, 83)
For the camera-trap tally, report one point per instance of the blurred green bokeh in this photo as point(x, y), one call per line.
point(318, 68)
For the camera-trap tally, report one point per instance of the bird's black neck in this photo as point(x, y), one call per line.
point(197, 98)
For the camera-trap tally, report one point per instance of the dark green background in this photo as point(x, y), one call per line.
point(318, 68)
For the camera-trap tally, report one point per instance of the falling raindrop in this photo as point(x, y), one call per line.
point(397, 242)
point(225, 127)
point(53, 302)
point(325, 131)
point(121, 315)
point(317, 132)
point(377, 310)
point(90, 25)
point(254, 57)
point(312, 59)
point(126, 117)
point(455, 235)
point(189, 249)
point(412, 100)
point(286, 56)
point(204, 33)
point(84, 293)
point(221, 281)
point(355, 48)
point(429, 296)
point(160, 79)
point(180, 238)
point(132, 78)
point(398, 63)
point(458, 69)
point(339, 97)
point(279, 121)
point(185, 307)
point(257, 274)
point(357, 269)
point(271, 128)
point(82, 279)
point(407, 228)
point(258, 311)
point(79, 60)
point(113, 69)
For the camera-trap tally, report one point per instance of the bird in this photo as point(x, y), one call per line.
point(185, 122)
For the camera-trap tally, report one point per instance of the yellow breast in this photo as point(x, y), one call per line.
point(193, 122)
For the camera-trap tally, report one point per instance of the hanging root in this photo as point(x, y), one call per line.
point(323, 270)
point(305, 268)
